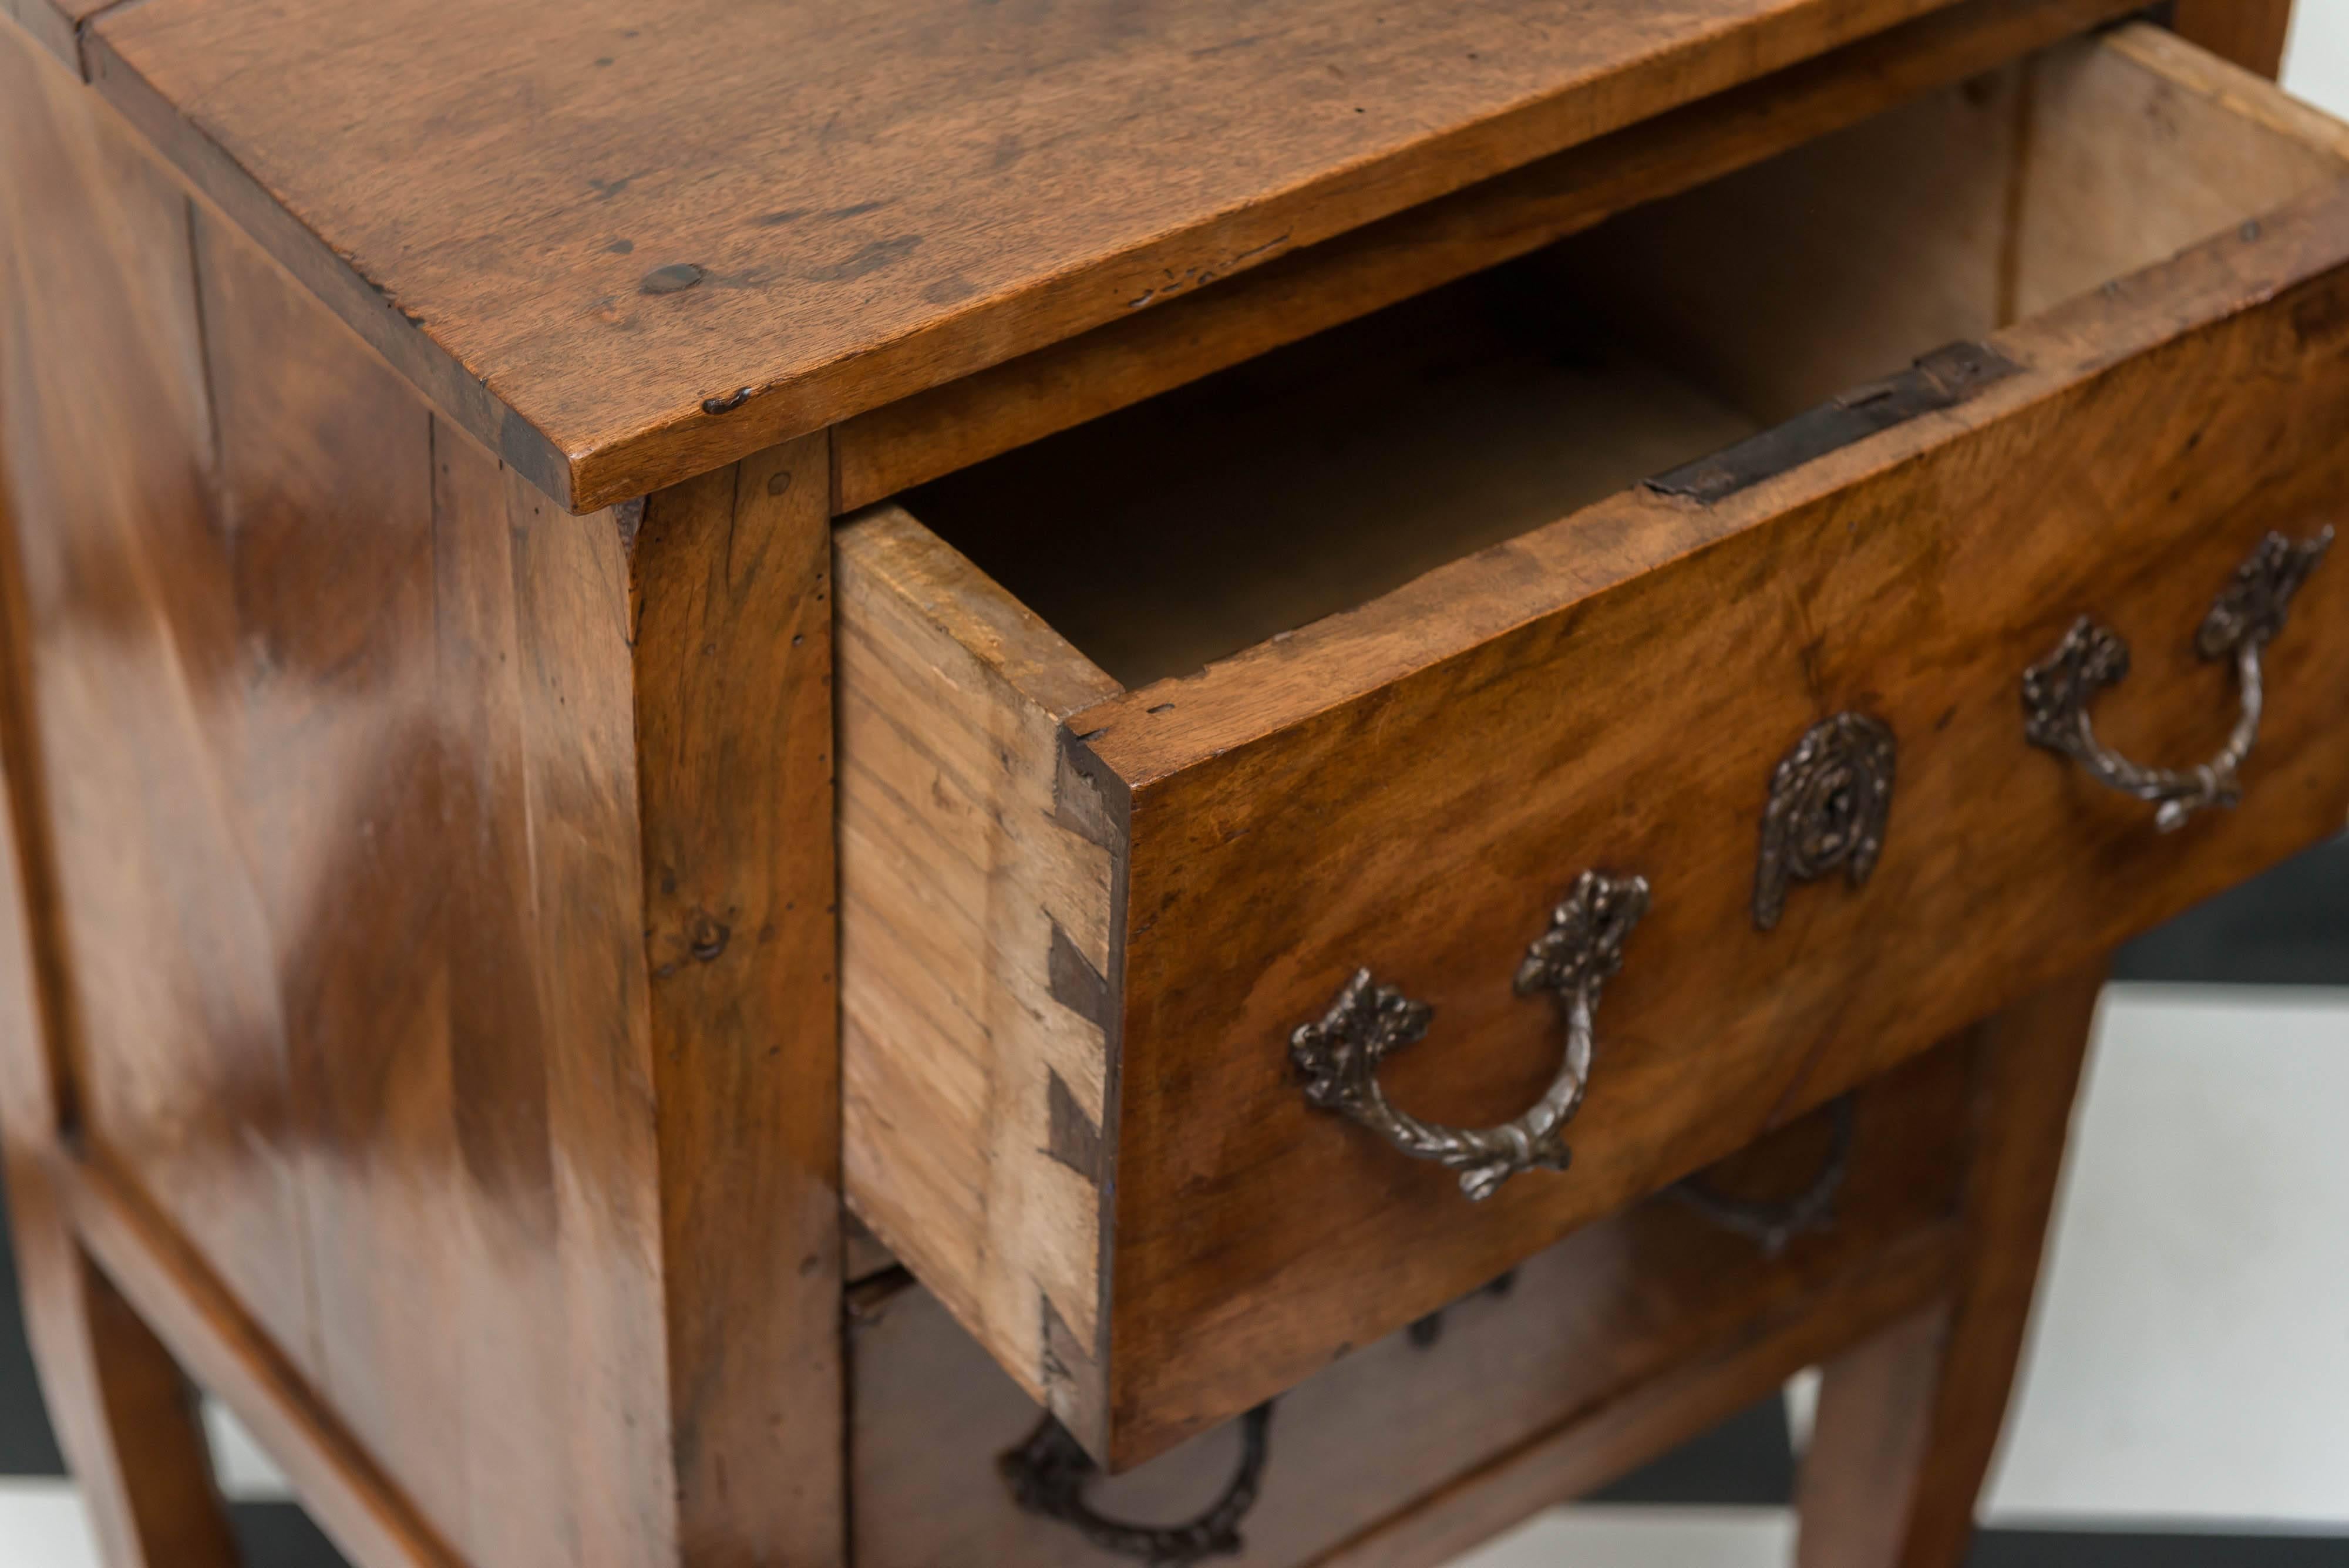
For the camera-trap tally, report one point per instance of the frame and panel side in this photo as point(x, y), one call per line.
point(285, 635)
point(477, 1165)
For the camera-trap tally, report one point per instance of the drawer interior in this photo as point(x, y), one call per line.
point(1323, 475)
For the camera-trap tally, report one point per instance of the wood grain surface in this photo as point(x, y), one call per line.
point(1362, 1444)
point(1907, 1422)
point(731, 586)
point(330, 726)
point(978, 939)
point(369, 1518)
point(921, 437)
point(1410, 785)
point(173, 1021)
point(117, 1402)
point(873, 200)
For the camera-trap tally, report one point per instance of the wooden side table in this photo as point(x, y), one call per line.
point(1236, 673)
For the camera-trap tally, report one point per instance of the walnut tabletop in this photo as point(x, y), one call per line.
point(628, 243)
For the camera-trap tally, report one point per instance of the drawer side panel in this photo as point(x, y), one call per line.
point(977, 869)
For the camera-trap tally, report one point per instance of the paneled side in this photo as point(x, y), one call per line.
point(979, 915)
point(136, 687)
point(334, 721)
point(323, 780)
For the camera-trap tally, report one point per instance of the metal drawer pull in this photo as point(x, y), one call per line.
point(1774, 1225)
point(1339, 1056)
point(2243, 620)
point(1049, 1474)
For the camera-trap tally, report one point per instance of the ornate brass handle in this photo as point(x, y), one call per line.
point(2246, 616)
point(1049, 1473)
point(1340, 1056)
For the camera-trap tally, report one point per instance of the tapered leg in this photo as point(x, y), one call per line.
point(1907, 1421)
point(124, 1417)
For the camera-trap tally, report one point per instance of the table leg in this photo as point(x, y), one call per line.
point(1907, 1421)
point(125, 1417)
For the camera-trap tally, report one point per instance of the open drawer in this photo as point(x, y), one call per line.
point(1460, 647)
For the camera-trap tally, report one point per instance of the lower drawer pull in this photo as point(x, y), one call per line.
point(1049, 1474)
point(1774, 1225)
point(2244, 617)
point(1340, 1056)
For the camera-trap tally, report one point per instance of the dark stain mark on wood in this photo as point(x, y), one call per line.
point(858, 211)
point(1075, 984)
point(606, 189)
point(727, 404)
point(870, 258)
point(621, 247)
point(950, 290)
point(1941, 380)
point(674, 278)
point(778, 219)
point(1228, 44)
point(779, 482)
point(1072, 1137)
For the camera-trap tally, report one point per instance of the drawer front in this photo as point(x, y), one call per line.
point(1082, 924)
point(1660, 1293)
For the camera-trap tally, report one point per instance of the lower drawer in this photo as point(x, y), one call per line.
point(1614, 1342)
